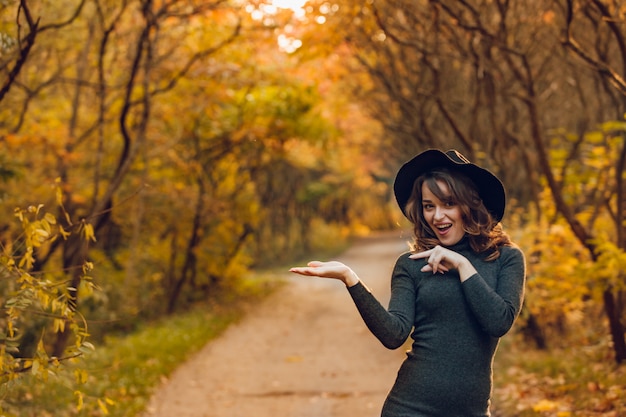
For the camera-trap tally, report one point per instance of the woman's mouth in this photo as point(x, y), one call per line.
point(442, 229)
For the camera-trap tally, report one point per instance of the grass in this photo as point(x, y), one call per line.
point(123, 372)
point(579, 380)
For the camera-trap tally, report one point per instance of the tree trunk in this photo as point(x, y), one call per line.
point(74, 256)
point(613, 313)
point(533, 331)
point(189, 267)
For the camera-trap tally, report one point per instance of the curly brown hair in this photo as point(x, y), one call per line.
point(485, 234)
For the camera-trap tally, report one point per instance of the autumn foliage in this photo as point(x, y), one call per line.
point(173, 145)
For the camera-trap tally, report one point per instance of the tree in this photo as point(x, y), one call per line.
point(126, 90)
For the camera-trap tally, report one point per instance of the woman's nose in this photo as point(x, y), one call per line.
point(438, 213)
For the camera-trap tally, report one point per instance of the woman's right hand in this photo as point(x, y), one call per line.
point(332, 269)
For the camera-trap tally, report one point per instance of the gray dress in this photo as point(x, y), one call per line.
point(456, 328)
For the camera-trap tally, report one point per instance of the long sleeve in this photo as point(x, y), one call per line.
point(391, 326)
point(496, 306)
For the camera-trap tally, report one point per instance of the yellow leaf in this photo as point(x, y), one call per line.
point(103, 407)
point(50, 218)
point(81, 376)
point(87, 266)
point(40, 347)
point(42, 234)
point(58, 325)
point(19, 214)
point(545, 405)
point(35, 368)
point(64, 233)
point(79, 404)
point(59, 192)
point(88, 232)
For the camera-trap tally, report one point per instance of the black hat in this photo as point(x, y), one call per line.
point(490, 188)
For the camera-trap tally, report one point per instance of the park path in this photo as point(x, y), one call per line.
point(304, 352)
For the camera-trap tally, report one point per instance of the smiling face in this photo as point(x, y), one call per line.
point(443, 216)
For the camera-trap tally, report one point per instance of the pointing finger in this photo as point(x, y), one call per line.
point(420, 255)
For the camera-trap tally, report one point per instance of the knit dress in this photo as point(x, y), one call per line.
point(456, 328)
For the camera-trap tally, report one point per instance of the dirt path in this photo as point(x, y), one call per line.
point(304, 352)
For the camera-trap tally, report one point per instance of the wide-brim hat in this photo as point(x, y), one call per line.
point(489, 187)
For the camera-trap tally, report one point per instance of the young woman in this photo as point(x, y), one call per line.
point(456, 293)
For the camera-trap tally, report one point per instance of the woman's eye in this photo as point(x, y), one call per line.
point(428, 206)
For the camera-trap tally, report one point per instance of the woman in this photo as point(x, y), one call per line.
point(456, 293)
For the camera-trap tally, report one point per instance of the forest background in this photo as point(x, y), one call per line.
point(153, 152)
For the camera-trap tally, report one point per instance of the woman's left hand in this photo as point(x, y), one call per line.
point(441, 260)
